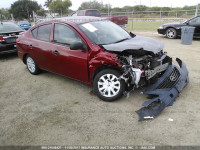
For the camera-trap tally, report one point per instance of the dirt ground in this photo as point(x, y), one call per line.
point(48, 109)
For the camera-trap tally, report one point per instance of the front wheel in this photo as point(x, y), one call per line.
point(107, 85)
point(31, 65)
point(171, 33)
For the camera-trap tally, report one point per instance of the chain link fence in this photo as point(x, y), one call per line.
point(145, 20)
point(138, 20)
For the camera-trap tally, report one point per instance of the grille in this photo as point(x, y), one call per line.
point(171, 80)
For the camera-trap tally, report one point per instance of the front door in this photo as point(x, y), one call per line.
point(63, 60)
point(195, 22)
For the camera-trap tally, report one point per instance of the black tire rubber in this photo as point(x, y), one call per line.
point(175, 33)
point(96, 90)
point(37, 69)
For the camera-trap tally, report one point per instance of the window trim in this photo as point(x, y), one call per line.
point(72, 30)
point(37, 32)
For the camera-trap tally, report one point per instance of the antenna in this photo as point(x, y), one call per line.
point(196, 13)
point(1, 18)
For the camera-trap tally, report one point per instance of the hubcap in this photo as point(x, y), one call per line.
point(109, 85)
point(170, 33)
point(31, 64)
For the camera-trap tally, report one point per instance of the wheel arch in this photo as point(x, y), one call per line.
point(102, 67)
point(24, 57)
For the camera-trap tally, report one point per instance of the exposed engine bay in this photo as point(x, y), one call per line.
point(141, 70)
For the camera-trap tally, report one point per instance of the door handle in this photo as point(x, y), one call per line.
point(55, 52)
point(30, 46)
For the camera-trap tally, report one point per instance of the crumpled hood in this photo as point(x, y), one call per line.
point(136, 43)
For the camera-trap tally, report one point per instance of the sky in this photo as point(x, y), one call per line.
point(119, 3)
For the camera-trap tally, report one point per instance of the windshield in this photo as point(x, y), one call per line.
point(9, 27)
point(104, 32)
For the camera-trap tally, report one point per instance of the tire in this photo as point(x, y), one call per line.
point(107, 86)
point(31, 65)
point(171, 33)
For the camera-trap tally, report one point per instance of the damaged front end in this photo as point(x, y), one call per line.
point(143, 67)
point(165, 90)
point(168, 81)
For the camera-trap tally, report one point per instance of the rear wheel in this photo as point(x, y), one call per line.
point(31, 65)
point(171, 33)
point(107, 85)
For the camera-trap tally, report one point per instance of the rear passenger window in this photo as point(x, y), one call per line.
point(44, 32)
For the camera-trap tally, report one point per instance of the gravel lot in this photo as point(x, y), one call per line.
point(48, 109)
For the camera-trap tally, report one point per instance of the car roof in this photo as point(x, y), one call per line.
point(73, 20)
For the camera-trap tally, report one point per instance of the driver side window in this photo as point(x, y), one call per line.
point(65, 35)
point(195, 21)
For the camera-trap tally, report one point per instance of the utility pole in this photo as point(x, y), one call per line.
point(53, 9)
point(197, 8)
point(108, 9)
point(1, 18)
point(61, 9)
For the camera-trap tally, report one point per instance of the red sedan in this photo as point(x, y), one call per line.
point(94, 51)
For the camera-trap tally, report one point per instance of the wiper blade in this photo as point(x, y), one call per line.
point(115, 42)
point(122, 40)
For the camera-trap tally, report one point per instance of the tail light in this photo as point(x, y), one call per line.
point(18, 39)
point(1, 39)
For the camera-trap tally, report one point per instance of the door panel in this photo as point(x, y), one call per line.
point(70, 63)
point(195, 22)
point(40, 46)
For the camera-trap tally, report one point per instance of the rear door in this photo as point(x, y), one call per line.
point(40, 46)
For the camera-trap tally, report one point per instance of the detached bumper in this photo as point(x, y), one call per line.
point(165, 91)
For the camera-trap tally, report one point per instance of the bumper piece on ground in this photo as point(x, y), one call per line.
point(164, 91)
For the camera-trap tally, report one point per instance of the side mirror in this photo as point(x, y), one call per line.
point(187, 23)
point(132, 34)
point(77, 46)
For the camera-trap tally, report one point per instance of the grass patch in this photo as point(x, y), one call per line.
point(143, 26)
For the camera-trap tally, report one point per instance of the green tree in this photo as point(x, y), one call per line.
point(47, 3)
point(60, 6)
point(41, 12)
point(22, 9)
point(140, 8)
point(91, 5)
point(5, 13)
